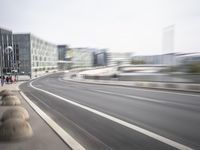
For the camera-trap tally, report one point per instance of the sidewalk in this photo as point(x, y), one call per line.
point(44, 138)
point(12, 87)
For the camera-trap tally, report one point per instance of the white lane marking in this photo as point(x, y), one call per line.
point(167, 92)
point(143, 98)
point(62, 133)
point(121, 122)
point(131, 96)
point(72, 122)
point(135, 88)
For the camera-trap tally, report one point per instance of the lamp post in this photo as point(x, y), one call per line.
point(2, 80)
point(8, 51)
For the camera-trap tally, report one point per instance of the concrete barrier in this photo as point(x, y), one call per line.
point(14, 124)
point(10, 100)
point(15, 112)
point(6, 93)
point(155, 85)
point(15, 129)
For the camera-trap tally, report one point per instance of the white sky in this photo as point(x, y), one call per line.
point(119, 25)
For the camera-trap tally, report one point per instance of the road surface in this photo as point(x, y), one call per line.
point(173, 116)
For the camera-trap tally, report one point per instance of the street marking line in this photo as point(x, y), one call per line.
point(131, 96)
point(121, 122)
point(166, 92)
point(142, 98)
point(89, 134)
point(61, 132)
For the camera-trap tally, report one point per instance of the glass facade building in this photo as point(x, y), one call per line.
point(35, 55)
point(63, 64)
point(8, 56)
point(100, 57)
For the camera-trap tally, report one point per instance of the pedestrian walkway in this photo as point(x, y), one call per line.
point(44, 138)
point(12, 87)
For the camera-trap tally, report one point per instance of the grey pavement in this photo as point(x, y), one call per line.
point(44, 138)
point(174, 115)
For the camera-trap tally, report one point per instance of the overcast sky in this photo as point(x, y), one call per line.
point(119, 25)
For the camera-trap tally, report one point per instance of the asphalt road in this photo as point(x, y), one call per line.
point(173, 115)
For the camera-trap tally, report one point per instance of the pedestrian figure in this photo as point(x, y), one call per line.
point(10, 78)
point(7, 79)
point(2, 81)
point(30, 75)
point(14, 79)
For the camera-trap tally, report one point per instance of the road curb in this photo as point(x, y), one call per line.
point(70, 141)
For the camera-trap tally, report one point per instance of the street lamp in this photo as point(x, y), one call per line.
point(1, 66)
point(8, 51)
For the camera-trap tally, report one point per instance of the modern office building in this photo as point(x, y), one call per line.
point(182, 37)
point(63, 63)
point(36, 56)
point(62, 52)
point(8, 56)
point(100, 57)
point(168, 39)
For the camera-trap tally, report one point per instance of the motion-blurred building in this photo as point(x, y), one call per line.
point(119, 58)
point(164, 59)
point(100, 57)
point(87, 57)
point(182, 37)
point(188, 58)
point(62, 57)
point(80, 57)
point(168, 40)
